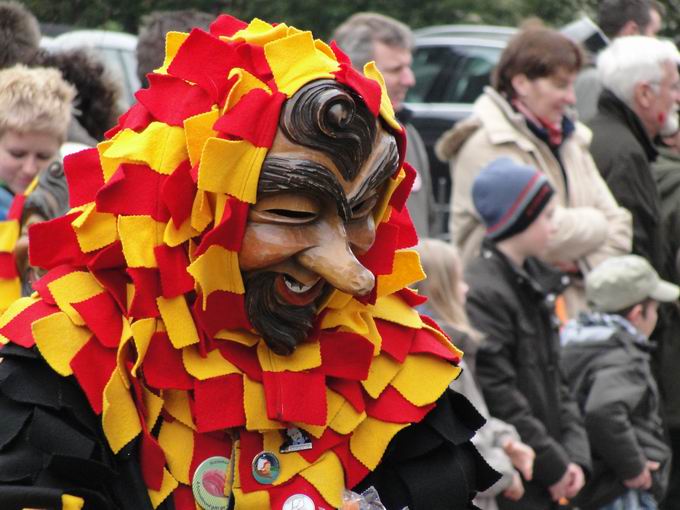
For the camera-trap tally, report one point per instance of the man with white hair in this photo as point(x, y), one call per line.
point(639, 101)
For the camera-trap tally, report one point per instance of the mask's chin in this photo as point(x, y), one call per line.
point(282, 309)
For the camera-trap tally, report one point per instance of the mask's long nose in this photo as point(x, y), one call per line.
point(333, 260)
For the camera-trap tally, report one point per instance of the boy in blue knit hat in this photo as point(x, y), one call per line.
point(511, 301)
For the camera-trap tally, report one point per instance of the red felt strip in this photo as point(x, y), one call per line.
point(345, 355)
point(340, 55)
point(392, 407)
point(379, 259)
point(350, 391)
point(328, 440)
point(54, 242)
point(412, 298)
point(172, 266)
point(251, 446)
point(295, 397)
point(245, 358)
point(214, 318)
point(202, 59)
point(218, 403)
point(8, 266)
point(400, 195)
point(206, 445)
point(183, 498)
point(172, 100)
point(111, 256)
point(253, 118)
point(425, 343)
point(115, 282)
point(368, 89)
point(396, 339)
point(16, 208)
point(137, 118)
point(103, 317)
point(355, 471)
point(152, 460)
point(226, 25)
point(137, 181)
point(18, 330)
point(93, 366)
point(163, 366)
point(178, 193)
point(147, 289)
point(84, 175)
point(407, 232)
point(229, 233)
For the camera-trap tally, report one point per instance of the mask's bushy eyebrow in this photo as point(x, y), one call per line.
point(383, 168)
point(280, 174)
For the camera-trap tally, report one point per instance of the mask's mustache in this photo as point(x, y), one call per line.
point(281, 325)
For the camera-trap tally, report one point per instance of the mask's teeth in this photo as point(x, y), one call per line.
point(295, 286)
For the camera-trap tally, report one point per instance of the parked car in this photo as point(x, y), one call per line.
point(117, 49)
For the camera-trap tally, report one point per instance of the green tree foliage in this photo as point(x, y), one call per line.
point(322, 16)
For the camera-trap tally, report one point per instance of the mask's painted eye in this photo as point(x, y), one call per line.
point(290, 208)
point(292, 214)
point(364, 208)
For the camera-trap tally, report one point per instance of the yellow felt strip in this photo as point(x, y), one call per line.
point(94, 230)
point(217, 269)
point(394, 309)
point(59, 340)
point(369, 441)
point(231, 166)
point(213, 365)
point(177, 442)
point(153, 405)
point(442, 339)
point(256, 412)
point(15, 309)
point(220, 205)
point(139, 235)
point(178, 321)
point(109, 165)
point(73, 288)
point(306, 356)
point(406, 271)
point(291, 463)
point(295, 61)
point(260, 32)
point(160, 146)
point(173, 236)
point(336, 300)
point(245, 82)
point(409, 380)
point(176, 402)
point(386, 110)
point(173, 40)
point(120, 420)
point(201, 211)
point(328, 477)
point(142, 331)
point(168, 485)
point(240, 337)
point(69, 502)
point(351, 317)
point(9, 235)
point(383, 370)
point(197, 130)
point(343, 418)
point(10, 291)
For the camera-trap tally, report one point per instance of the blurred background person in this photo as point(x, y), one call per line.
point(152, 30)
point(616, 18)
point(36, 108)
point(525, 116)
point(497, 441)
point(19, 34)
point(366, 37)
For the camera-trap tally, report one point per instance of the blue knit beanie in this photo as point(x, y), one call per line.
point(509, 196)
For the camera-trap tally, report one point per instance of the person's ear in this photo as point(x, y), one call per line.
point(643, 95)
point(630, 28)
point(521, 84)
point(635, 314)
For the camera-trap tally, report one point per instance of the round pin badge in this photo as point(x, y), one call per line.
point(266, 468)
point(208, 483)
point(299, 502)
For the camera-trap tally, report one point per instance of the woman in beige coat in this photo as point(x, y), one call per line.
point(524, 116)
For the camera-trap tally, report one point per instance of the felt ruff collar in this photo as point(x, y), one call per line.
point(144, 300)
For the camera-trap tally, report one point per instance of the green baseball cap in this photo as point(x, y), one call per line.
point(621, 282)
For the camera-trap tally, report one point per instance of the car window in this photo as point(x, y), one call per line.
point(451, 74)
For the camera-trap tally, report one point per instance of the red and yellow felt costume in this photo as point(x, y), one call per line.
point(144, 300)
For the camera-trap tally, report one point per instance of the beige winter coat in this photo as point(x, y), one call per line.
point(590, 224)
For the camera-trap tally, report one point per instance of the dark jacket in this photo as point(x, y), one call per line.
point(518, 366)
point(607, 362)
point(666, 172)
point(623, 152)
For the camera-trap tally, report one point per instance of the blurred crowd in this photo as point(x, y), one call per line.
point(560, 280)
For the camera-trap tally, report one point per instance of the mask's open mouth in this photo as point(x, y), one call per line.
point(294, 292)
